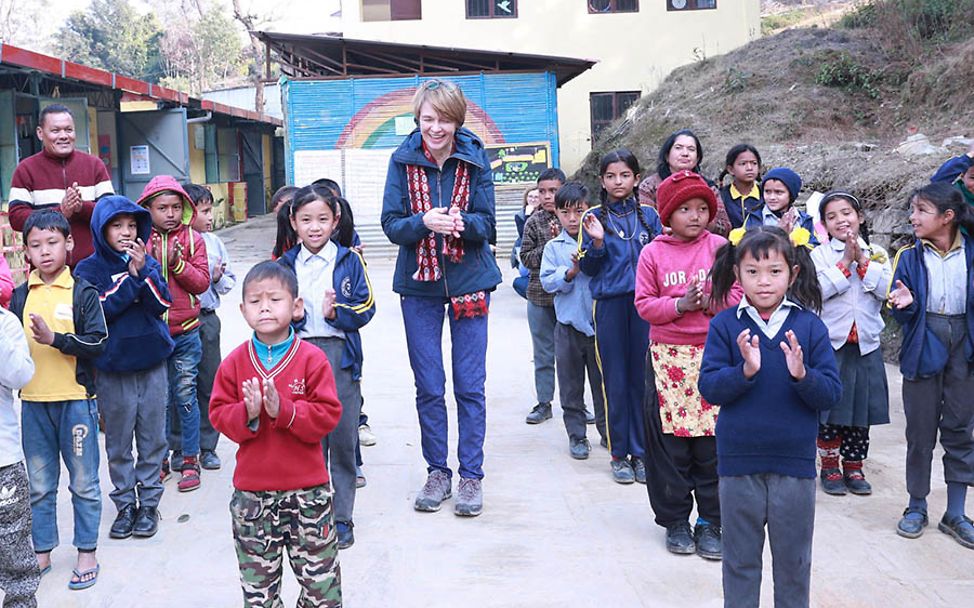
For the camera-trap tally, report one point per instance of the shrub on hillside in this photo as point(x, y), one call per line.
point(919, 21)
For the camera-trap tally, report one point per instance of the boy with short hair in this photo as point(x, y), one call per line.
point(19, 574)
point(275, 396)
point(65, 329)
point(574, 331)
point(182, 253)
point(132, 380)
point(540, 228)
point(222, 280)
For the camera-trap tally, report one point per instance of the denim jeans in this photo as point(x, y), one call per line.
point(423, 319)
point(68, 429)
point(183, 370)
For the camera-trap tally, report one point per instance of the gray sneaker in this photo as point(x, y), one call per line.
point(470, 498)
point(539, 414)
point(434, 492)
point(579, 448)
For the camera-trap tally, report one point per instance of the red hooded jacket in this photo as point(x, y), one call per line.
point(187, 274)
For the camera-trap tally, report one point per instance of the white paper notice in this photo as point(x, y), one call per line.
point(310, 165)
point(139, 160)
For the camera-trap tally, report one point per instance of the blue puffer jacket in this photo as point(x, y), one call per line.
point(478, 270)
point(613, 266)
point(138, 337)
point(923, 354)
point(354, 302)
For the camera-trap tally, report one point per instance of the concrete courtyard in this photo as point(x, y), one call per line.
point(554, 532)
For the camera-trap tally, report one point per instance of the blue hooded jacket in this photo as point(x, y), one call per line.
point(138, 337)
point(923, 354)
point(478, 269)
point(354, 302)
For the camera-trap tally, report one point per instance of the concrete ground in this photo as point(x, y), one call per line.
point(554, 531)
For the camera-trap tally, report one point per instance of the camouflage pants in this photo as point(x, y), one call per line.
point(19, 575)
point(265, 524)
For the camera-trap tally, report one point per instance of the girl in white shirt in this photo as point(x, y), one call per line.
point(854, 276)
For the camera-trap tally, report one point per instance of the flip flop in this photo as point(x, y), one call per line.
point(45, 570)
point(80, 584)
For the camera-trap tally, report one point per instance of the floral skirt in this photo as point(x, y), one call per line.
point(683, 412)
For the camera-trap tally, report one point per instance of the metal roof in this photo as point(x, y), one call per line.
point(130, 87)
point(311, 56)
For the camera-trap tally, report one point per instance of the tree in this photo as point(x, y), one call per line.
point(112, 35)
point(20, 23)
point(201, 53)
point(249, 21)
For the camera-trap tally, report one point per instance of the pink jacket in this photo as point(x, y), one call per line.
point(666, 265)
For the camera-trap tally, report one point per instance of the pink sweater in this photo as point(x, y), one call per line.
point(666, 265)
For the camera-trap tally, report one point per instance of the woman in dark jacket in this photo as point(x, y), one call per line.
point(438, 206)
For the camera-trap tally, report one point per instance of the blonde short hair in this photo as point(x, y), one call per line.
point(445, 97)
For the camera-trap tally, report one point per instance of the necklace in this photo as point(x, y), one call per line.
point(621, 230)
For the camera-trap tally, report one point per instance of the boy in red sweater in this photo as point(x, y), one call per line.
point(275, 396)
point(181, 252)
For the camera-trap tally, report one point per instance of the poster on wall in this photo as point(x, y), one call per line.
point(518, 163)
point(310, 165)
point(139, 156)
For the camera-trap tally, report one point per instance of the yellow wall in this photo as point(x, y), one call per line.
point(635, 51)
point(268, 156)
point(197, 156)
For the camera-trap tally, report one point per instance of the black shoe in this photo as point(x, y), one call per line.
point(579, 448)
point(539, 414)
point(856, 482)
point(210, 461)
point(346, 538)
point(832, 482)
point(679, 539)
point(122, 526)
point(960, 527)
point(709, 543)
point(176, 461)
point(146, 522)
point(912, 527)
point(604, 442)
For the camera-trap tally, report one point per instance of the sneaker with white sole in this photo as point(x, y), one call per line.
point(470, 498)
point(365, 435)
point(436, 489)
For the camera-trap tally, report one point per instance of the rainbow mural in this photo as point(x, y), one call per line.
point(374, 126)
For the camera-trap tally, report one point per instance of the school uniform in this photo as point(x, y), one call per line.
point(935, 359)
point(621, 336)
point(766, 447)
point(852, 301)
point(766, 217)
point(739, 205)
point(541, 304)
point(574, 336)
point(342, 269)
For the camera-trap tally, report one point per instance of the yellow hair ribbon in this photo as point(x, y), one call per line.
point(736, 235)
point(800, 237)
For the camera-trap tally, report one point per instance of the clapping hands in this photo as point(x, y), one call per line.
point(750, 347)
point(448, 222)
point(254, 401)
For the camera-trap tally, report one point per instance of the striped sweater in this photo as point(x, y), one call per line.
point(40, 182)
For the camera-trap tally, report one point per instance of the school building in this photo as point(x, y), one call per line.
point(347, 104)
point(635, 42)
point(139, 130)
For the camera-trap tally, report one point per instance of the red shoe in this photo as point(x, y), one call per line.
point(190, 479)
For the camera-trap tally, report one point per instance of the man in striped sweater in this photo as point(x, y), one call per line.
point(60, 177)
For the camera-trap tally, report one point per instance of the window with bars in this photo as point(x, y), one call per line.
point(491, 9)
point(391, 10)
point(607, 107)
point(614, 6)
point(690, 5)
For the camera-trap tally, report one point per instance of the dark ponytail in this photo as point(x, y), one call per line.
point(344, 232)
point(286, 237)
point(852, 200)
point(759, 242)
point(946, 197)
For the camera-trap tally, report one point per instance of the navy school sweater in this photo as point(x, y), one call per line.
point(138, 337)
point(613, 266)
point(768, 424)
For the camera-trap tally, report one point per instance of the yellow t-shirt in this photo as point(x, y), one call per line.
point(54, 376)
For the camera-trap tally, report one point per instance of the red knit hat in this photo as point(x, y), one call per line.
point(680, 187)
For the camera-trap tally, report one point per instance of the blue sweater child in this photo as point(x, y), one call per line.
point(132, 377)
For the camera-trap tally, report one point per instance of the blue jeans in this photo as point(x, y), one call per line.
point(184, 365)
point(68, 429)
point(423, 319)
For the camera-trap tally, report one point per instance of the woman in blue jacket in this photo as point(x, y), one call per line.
point(438, 207)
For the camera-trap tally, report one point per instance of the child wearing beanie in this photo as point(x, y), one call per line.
point(780, 189)
point(673, 295)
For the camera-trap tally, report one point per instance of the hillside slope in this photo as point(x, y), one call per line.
point(831, 103)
